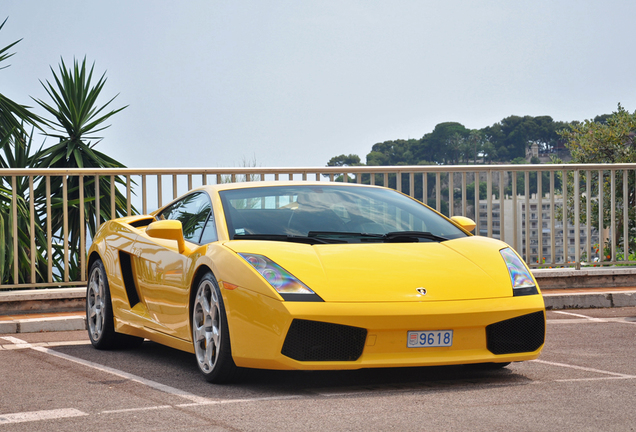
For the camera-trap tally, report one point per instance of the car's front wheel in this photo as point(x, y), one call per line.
point(210, 334)
point(99, 313)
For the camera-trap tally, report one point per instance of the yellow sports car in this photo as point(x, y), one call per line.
point(310, 275)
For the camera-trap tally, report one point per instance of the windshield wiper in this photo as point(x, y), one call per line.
point(287, 238)
point(315, 234)
point(412, 236)
point(395, 236)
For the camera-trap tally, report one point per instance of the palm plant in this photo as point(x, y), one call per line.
point(13, 116)
point(15, 145)
point(18, 155)
point(76, 118)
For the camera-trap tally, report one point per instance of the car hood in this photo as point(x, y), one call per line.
point(467, 268)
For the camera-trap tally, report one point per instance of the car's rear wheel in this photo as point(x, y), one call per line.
point(99, 313)
point(210, 334)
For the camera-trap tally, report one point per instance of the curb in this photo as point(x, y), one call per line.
point(44, 324)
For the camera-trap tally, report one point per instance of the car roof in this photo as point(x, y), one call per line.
point(258, 184)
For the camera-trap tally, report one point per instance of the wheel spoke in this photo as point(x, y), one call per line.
point(206, 332)
point(95, 304)
point(215, 328)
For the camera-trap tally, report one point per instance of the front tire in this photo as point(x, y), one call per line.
point(210, 334)
point(99, 313)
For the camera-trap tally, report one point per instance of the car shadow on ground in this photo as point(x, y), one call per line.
point(178, 369)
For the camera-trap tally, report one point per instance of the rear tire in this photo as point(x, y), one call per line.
point(99, 313)
point(210, 334)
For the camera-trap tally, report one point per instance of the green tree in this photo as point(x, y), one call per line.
point(344, 160)
point(610, 140)
point(512, 135)
point(441, 145)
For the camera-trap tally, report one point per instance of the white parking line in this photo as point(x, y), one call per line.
point(40, 415)
point(43, 344)
point(125, 410)
point(194, 399)
point(587, 369)
point(149, 383)
point(581, 316)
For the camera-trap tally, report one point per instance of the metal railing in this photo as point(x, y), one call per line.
point(522, 205)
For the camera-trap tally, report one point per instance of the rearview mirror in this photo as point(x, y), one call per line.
point(169, 230)
point(467, 223)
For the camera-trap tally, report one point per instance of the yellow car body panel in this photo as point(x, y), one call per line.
point(372, 286)
point(392, 271)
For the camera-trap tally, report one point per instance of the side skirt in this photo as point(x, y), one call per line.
point(153, 335)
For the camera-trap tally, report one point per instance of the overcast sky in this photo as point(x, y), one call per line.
point(293, 83)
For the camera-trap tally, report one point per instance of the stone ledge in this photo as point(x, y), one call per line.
point(42, 294)
point(45, 324)
point(595, 277)
point(589, 300)
point(39, 300)
point(588, 271)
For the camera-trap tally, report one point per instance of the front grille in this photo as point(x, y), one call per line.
point(525, 333)
point(320, 341)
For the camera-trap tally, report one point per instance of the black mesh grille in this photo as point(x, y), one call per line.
point(320, 341)
point(516, 335)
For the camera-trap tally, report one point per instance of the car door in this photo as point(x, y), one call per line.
point(164, 273)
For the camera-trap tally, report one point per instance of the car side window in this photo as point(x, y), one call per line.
point(209, 232)
point(192, 211)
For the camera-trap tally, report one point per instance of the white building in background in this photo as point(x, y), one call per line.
point(539, 245)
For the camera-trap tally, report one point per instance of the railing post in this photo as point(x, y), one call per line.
point(565, 217)
point(577, 220)
point(14, 210)
point(552, 221)
point(438, 192)
point(540, 216)
point(463, 194)
point(613, 213)
point(502, 220)
point(489, 201)
point(515, 217)
point(49, 234)
point(113, 212)
point(451, 195)
point(65, 227)
point(82, 229)
point(588, 213)
point(526, 179)
point(625, 217)
point(128, 196)
point(601, 198)
point(32, 227)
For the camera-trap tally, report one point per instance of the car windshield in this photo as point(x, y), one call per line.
point(331, 214)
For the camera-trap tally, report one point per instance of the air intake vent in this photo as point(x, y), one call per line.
point(320, 341)
point(516, 335)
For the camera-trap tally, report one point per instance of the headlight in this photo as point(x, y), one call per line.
point(286, 284)
point(522, 282)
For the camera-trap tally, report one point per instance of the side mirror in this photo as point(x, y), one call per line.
point(464, 222)
point(168, 230)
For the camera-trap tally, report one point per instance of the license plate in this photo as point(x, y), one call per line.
point(428, 339)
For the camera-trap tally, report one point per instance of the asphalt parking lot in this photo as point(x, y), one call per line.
point(584, 380)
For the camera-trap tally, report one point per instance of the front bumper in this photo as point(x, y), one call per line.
point(259, 327)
